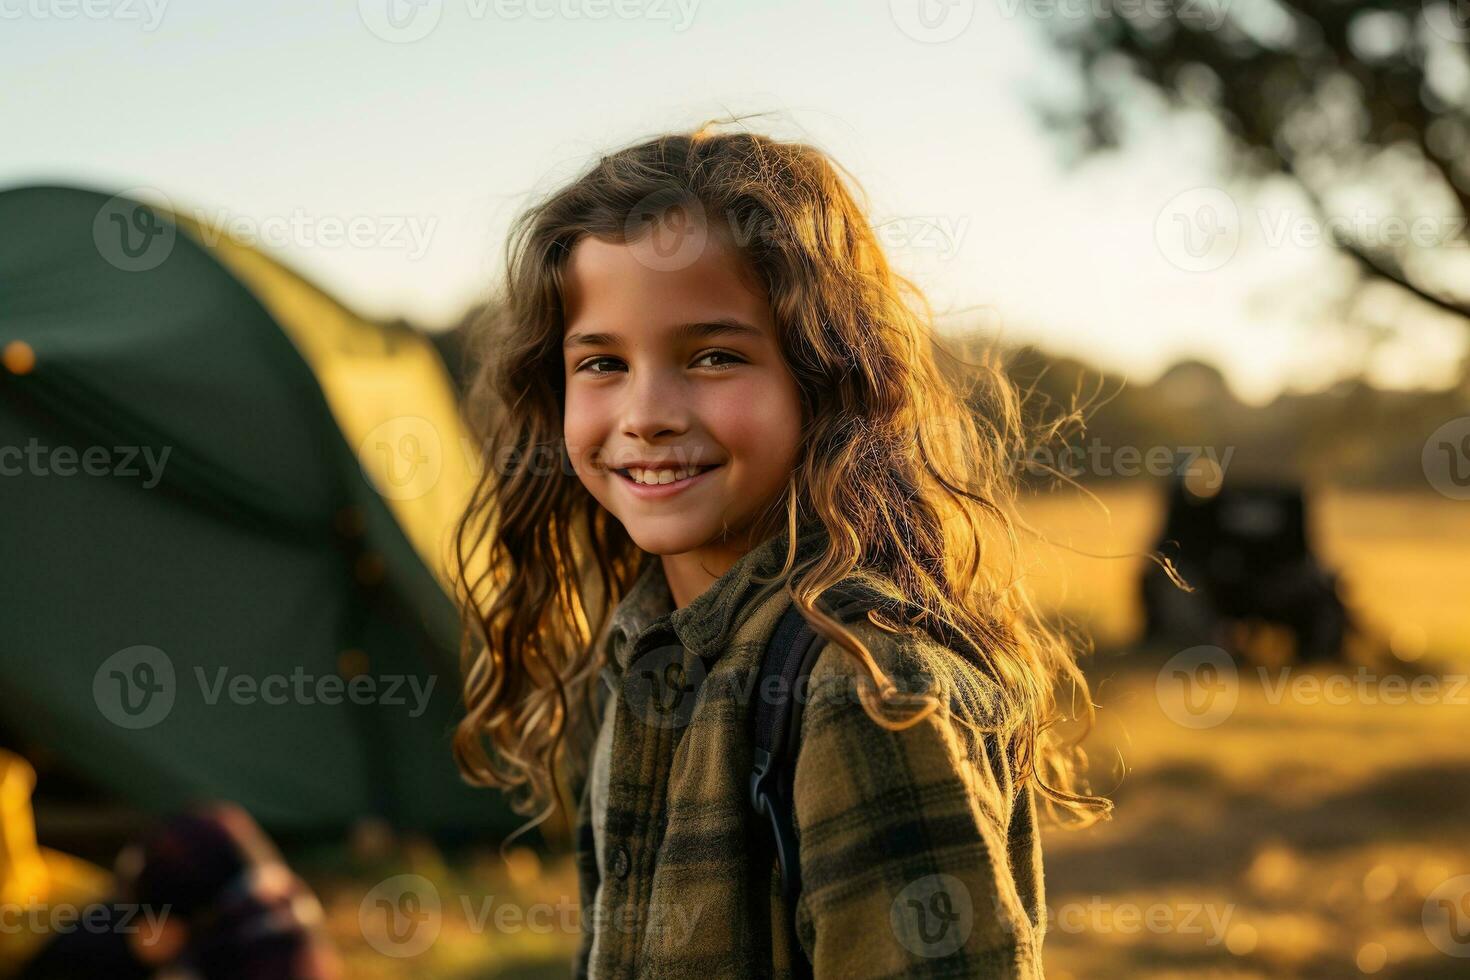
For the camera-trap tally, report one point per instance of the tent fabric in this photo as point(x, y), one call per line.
point(255, 545)
point(420, 463)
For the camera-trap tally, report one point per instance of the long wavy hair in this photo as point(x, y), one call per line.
point(908, 462)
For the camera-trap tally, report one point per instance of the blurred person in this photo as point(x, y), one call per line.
point(204, 894)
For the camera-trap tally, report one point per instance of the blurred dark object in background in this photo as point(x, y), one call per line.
point(216, 899)
point(1246, 550)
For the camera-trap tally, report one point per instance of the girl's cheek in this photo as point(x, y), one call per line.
point(734, 416)
point(580, 430)
point(759, 420)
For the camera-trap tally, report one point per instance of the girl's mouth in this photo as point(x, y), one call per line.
point(654, 491)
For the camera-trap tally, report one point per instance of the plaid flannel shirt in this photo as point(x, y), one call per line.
point(919, 856)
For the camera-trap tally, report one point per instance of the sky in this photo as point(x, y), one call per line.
point(382, 147)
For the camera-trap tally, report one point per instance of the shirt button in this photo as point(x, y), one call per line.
point(621, 865)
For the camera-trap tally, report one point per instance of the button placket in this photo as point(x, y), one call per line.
point(613, 949)
point(648, 738)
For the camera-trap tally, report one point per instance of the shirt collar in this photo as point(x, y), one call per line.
point(703, 626)
point(647, 599)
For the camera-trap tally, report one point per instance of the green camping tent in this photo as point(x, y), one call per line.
point(226, 499)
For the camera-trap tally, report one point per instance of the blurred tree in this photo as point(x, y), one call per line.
point(1345, 98)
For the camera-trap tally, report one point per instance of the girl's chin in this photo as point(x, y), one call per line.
point(675, 536)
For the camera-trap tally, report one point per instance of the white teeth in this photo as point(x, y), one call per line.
point(655, 477)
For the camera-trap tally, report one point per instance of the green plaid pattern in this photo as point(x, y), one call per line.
point(919, 857)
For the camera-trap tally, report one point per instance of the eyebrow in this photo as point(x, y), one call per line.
point(701, 329)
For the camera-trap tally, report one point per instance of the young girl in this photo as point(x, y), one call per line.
point(706, 396)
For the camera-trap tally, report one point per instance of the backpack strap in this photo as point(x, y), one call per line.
point(789, 658)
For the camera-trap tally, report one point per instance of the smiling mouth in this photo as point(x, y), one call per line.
point(698, 471)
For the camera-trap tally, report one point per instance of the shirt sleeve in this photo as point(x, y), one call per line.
point(917, 859)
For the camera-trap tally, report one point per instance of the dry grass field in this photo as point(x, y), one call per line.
point(1307, 832)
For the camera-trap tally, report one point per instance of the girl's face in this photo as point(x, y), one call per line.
point(674, 369)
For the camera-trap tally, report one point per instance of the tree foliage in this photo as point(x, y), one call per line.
point(1353, 101)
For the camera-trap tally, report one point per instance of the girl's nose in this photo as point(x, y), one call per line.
point(656, 406)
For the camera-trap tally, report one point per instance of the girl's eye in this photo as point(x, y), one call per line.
point(733, 359)
point(594, 360)
point(587, 365)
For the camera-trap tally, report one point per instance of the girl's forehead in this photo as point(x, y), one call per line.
point(617, 281)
